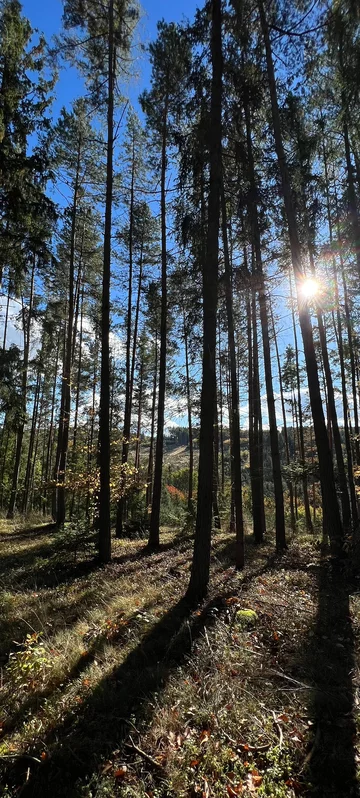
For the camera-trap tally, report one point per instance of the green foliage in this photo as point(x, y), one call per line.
point(28, 667)
point(27, 215)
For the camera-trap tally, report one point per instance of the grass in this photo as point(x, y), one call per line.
point(110, 686)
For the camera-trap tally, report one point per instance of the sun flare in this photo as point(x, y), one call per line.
point(309, 288)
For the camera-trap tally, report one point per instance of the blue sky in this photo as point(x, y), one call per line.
point(45, 15)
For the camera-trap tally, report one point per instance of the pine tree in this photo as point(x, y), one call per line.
point(201, 559)
point(100, 37)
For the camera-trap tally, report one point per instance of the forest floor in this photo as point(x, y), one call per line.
point(110, 686)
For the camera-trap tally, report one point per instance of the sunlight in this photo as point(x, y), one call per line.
point(309, 288)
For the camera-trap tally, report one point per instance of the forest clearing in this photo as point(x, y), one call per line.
point(121, 689)
point(179, 398)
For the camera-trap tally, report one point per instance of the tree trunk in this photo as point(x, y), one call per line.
point(221, 428)
point(188, 402)
point(91, 436)
point(138, 430)
point(331, 507)
point(154, 535)
point(257, 462)
point(353, 210)
point(104, 414)
point(235, 452)
point(66, 407)
point(31, 443)
point(77, 399)
point(200, 569)
point(259, 275)
point(283, 410)
point(36, 446)
point(6, 315)
point(128, 386)
point(51, 429)
point(149, 479)
point(24, 386)
point(308, 520)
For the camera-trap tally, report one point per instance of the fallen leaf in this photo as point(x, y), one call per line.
point(43, 756)
point(254, 780)
point(234, 789)
point(120, 773)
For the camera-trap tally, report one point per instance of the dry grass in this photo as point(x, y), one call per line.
point(119, 690)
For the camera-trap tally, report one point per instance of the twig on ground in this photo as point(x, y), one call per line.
point(290, 679)
point(144, 755)
point(21, 756)
point(262, 747)
point(130, 723)
point(207, 638)
point(279, 729)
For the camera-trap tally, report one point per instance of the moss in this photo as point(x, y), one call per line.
point(246, 618)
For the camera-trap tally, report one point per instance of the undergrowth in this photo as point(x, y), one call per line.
point(111, 687)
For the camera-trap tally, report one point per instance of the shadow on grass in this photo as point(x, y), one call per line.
point(330, 663)
point(25, 569)
point(34, 702)
point(103, 722)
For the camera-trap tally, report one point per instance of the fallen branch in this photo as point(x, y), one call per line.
point(144, 755)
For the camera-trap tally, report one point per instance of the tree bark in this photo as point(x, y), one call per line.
point(24, 387)
point(301, 441)
point(149, 479)
point(104, 415)
point(31, 443)
point(235, 452)
point(154, 534)
point(66, 407)
point(286, 438)
point(188, 402)
point(200, 570)
point(331, 507)
point(128, 385)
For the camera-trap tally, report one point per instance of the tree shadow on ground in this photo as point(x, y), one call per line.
point(32, 532)
point(94, 650)
point(329, 663)
point(103, 721)
point(26, 569)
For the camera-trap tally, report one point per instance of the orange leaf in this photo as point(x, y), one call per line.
point(204, 736)
point(120, 773)
point(43, 756)
point(194, 763)
point(234, 790)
